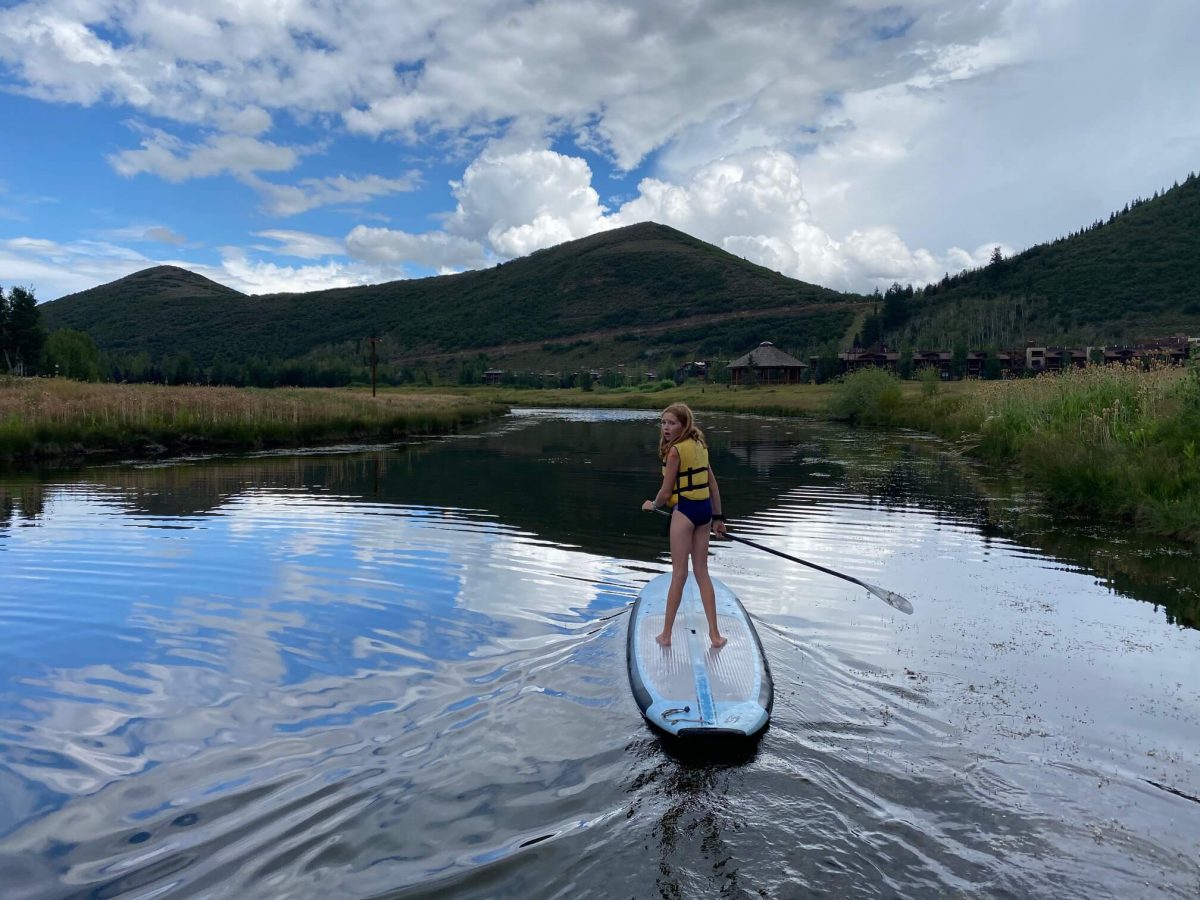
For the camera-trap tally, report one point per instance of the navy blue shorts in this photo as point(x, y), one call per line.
point(699, 511)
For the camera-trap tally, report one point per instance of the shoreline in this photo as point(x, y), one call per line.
point(60, 422)
point(1097, 459)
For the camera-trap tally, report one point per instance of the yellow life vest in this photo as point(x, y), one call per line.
point(692, 480)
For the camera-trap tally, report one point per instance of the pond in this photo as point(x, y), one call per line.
point(379, 672)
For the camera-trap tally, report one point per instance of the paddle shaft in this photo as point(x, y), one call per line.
point(803, 562)
point(889, 597)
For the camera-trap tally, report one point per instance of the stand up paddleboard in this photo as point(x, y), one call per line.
point(689, 689)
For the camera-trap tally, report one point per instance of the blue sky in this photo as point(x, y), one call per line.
point(305, 144)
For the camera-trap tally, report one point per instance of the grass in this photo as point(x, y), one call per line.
point(47, 418)
point(1114, 440)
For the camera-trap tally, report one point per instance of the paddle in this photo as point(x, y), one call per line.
point(891, 598)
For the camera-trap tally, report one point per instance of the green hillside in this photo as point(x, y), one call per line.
point(1132, 276)
point(602, 299)
point(646, 296)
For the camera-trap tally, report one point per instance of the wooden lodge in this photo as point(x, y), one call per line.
point(879, 357)
point(766, 364)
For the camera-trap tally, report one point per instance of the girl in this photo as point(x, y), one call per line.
point(690, 487)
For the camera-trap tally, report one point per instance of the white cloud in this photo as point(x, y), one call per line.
point(154, 233)
point(310, 193)
point(752, 205)
point(849, 143)
point(53, 269)
point(243, 156)
point(435, 250)
point(261, 277)
point(627, 78)
point(521, 202)
point(172, 159)
point(164, 235)
point(302, 244)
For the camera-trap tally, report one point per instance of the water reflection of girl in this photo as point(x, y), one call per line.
point(690, 488)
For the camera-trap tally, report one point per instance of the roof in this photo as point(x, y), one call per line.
point(767, 355)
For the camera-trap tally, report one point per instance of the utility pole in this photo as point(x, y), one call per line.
point(373, 341)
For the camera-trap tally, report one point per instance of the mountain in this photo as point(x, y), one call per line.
point(648, 295)
point(592, 299)
point(1132, 276)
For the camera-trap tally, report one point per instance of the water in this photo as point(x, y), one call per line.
point(402, 672)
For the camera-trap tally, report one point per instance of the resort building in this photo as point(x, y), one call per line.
point(766, 364)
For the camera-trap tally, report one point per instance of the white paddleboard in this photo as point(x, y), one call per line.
point(689, 689)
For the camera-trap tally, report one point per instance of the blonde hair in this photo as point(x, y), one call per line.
point(683, 413)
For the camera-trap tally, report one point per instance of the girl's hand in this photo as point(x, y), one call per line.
point(718, 527)
point(648, 506)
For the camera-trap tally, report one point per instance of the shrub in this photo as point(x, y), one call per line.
point(869, 395)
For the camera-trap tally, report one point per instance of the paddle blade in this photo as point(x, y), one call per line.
point(892, 599)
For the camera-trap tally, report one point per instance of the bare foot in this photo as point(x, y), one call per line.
point(663, 640)
point(718, 642)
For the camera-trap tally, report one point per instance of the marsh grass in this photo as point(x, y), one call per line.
point(41, 418)
point(1115, 440)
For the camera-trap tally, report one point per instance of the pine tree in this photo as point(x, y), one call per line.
point(21, 334)
point(4, 336)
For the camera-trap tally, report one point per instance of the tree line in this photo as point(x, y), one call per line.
point(28, 349)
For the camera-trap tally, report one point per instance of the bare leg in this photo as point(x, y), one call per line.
point(681, 545)
point(708, 596)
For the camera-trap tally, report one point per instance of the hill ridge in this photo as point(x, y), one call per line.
point(610, 286)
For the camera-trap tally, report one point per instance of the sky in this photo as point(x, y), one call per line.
point(297, 145)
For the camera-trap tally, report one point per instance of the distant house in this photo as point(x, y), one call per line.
point(695, 369)
point(938, 360)
point(766, 364)
point(879, 357)
point(493, 376)
point(1055, 359)
point(1176, 349)
point(976, 361)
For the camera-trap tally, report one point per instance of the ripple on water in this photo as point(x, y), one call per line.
point(297, 675)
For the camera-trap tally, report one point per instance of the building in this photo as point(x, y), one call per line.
point(1056, 359)
point(493, 376)
point(879, 357)
point(766, 364)
point(696, 369)
point(937, 360)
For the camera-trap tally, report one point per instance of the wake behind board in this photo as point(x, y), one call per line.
point(689, 689)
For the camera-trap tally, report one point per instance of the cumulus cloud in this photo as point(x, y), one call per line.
point(625, 78)
point(848, 143)
point(521, 202)
point(753, 205)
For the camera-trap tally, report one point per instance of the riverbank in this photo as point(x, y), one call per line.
point(1116, 441)
point(53, 418)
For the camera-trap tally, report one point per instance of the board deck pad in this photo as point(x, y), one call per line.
point(689, 688)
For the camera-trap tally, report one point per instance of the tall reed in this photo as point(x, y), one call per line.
point(50, 417)
point(1119, 440)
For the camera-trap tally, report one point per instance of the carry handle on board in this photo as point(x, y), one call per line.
point(891, 598)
